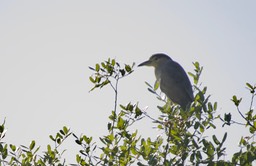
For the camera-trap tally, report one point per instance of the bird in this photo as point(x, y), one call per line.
point(173, 80)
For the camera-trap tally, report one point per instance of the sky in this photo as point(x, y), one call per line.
point(47, 46)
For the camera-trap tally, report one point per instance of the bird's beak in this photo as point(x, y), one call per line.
point(146, 63)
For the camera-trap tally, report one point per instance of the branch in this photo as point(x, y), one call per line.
point(248, 122)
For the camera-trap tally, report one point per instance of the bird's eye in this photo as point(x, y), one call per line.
point(156, 58)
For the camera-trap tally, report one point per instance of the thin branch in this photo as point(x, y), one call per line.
point(116, 94)
point(239, 123)
point(115, 104)
point(112, 86)
point(252, 101)
point(155, 120)
point(248, 122)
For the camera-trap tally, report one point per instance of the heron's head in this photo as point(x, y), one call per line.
point(156, 60)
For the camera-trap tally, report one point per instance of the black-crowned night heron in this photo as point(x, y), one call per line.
point(173, 79)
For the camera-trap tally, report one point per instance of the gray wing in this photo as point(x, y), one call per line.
point(175, 83)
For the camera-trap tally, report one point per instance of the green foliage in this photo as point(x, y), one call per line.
point(107, 70)
point(183, 140)
point(198, 71)
point(185, 130)
point(28, 155)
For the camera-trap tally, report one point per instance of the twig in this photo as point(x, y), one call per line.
point(248, 122)
point(155, 120)
point(252, 101)
point(232, 121)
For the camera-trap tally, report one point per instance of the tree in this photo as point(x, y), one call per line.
point(183, 141)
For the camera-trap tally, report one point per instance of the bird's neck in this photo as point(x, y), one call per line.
point(158, 73)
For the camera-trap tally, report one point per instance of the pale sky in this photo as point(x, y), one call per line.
point(47, 46)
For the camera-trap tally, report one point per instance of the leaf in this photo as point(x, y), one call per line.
point(97, 67)
point(113, 62)
point(148, 85)
point(198, 155)
point(152, 91)
point(252, 130)
point(117, 64)
point(58, 141)
point(58, 135)
point(51, 137)
point(128, 68)
point(122, 71)
point(74, 135)
point(66, 130)
point(49, 148)
point(212, 125)
point(13, 148)
point(1, 129)
point(210, 108)
point(103, 65)
point(111, 137)
point(133, 64)
point(78, 142)
point(191, 74)
point(201, 128)
point(110, 69)
point(109, 126)
point(4, 152)
point(224, 138)
point(196, 125)
point(104, 83)
point(103, 140)
point(32, 145)
point(122, 106)
point(227, 118)
point(37, 149)
point(62, 132)
point(129, 107)
point(196, 64)
point(251, 88)
point(97, 79)
point(215, 106)
point(195, 144)
point(156, 86)
point(249, 85)
point(88, 140)
point(91, 68)
point(216, 141)
point(96, 86)
point(137, 112)
point(120, 123)
point(236, 101)
point(92, 80)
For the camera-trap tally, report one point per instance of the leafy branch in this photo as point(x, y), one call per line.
point(104, 72)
